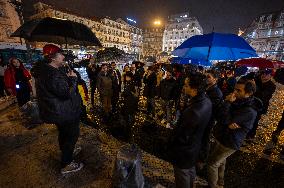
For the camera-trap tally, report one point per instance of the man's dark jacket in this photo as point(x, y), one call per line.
point(150, 85)
point(58, 97)
point(216, 97)
point(187, 137)
point(264, 92)
point(243, 113)
point(168, 89)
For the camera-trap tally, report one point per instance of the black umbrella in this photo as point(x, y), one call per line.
point(108, 54)
point(57, 31)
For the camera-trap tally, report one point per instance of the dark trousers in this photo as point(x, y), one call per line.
point(151, 106)
point(205, 145)
point(252, 132)
point(23, 96)
point(278, 131)
point(129, 120)
point(114, 100)
point(184, 178)
point(68, 133)
point(2, 86)
point(93, 89)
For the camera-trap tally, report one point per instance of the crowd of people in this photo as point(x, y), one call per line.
point(199, 104)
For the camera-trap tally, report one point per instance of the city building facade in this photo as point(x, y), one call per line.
point(9, 22)
point(266, 35)
point(136, 44)
point(116, 34)
point(178, 28)
point(153, 41)
point(111, 33)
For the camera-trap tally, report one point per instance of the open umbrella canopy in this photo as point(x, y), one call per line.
point(109, 54)
point(183, 61)
point(57, 31)
point(215, 46)
point(261, 63)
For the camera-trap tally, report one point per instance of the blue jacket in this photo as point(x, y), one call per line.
point(243, 113)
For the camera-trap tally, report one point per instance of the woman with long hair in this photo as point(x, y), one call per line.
point(17, 81)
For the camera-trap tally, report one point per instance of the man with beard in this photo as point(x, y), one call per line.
point(187, 135)
point(238, 115)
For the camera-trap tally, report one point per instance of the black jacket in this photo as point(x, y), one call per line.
point(243, 113)
point(187, 136)
point(150, 85)
point(216, 97)
point(129, 99)
point(264, 92)
point(116, 80)
point(58, 97)
point(168, 89)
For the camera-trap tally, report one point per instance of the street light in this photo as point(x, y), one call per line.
point(157, 22)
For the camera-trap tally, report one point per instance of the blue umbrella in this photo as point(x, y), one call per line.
point(215, 46)
point(180, 60)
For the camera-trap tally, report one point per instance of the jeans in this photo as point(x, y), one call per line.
point(67, 138)
point(184, 178)
point(216, 163)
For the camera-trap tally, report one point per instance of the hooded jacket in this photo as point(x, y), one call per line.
point(58, 97)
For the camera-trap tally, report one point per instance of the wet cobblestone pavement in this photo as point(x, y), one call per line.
point(30, 158)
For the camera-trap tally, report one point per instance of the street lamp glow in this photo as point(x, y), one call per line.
point(157, 22)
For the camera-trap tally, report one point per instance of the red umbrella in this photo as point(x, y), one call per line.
point(280, 64)
point(259, 62)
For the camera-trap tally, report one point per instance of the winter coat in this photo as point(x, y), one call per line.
point(150, 85)
point(116, 80)
point(104, 84)
point(129, 99)
point(138, 76)
point(58, 97)
point(216, 97)
point(243, 113)
point(187, 136)
point(168, 89)
point(264, 92)
point(10, 79)
point(92, 75)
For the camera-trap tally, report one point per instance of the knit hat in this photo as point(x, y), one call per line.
point(51, 49)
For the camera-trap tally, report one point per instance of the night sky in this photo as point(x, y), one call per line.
point(223, 15)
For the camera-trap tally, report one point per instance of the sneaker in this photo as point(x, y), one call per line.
point(77, 150)
point(72, 167)
point(200, 182)
point(169, 126)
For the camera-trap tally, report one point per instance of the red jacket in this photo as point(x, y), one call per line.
point(10, 80)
